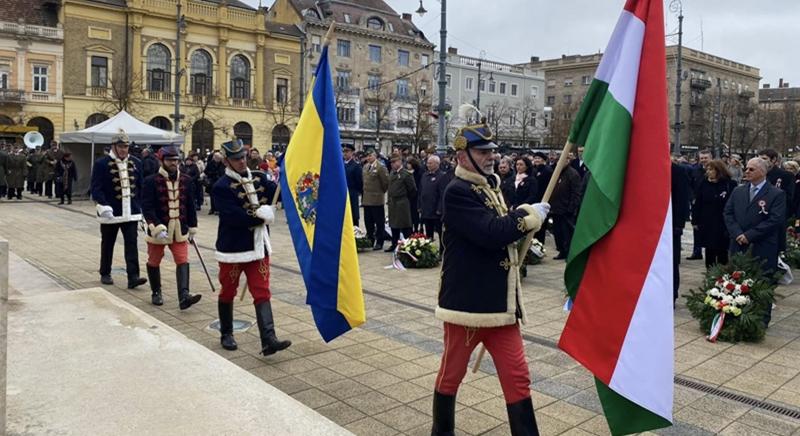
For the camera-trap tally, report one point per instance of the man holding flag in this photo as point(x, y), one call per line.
point(619, 269)
point(242, 198)
point(480, 297)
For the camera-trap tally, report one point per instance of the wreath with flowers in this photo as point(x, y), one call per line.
point(363, 242)
point(792, 254)
point(733, 300)
point(417, 251)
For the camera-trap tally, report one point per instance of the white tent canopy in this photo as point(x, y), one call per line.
point(137, 131)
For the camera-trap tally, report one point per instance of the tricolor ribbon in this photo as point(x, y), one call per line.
point(716, 326)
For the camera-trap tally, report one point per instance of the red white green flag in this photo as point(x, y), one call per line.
point(619, 270)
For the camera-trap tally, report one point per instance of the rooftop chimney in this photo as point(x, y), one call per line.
point(785, 84)
point(454, 51)
point(766, 86)
point(780, 82)
point(407, 16)
point(534, 59)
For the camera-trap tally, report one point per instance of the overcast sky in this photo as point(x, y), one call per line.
point(760, 33)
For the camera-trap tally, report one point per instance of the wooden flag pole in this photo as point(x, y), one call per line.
point(523, 249)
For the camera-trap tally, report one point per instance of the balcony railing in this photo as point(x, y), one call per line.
point(159, 95)
point(371, 124)
point(404, 98)
point(243, 102)
point(39, 97)
point(11, 96)
point(408, 124)
point(700, 83)
point(201, 99)
point(97, 91)
point(31, 30)
point(348, 91)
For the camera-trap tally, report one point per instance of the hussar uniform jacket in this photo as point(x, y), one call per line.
point(242, 236)
point(480, 284)
point(117, 183)
point(168, 205)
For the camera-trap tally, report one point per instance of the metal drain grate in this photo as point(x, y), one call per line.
point(764, 405)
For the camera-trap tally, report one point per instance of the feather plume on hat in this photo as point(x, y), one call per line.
point(465, 111)
point(120, 137)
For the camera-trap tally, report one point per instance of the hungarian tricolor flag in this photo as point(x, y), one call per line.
point(619, 270)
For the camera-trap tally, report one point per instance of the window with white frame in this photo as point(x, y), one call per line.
point(402, 87)
point(343, 80)
point(513, 89)
point(282, 90)
point(492, 86)
point(39, 78)
point(482, 85)
point(346, 112)
point(316, 43)
point(99, 72)
point(347, 18)
point(343, 48)
point(373, 81)
point(568, 99)
point(586, 80)
point(425, 60)
point(3, 79)
point(375, 54)
point(468, 83)
point(503, 88)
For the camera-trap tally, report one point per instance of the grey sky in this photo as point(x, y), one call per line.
point(759, 33)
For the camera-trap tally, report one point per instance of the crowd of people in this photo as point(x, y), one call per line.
point(43, 171)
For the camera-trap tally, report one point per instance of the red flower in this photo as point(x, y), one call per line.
point(745, 289)
point(736, 275)
point(730, 286)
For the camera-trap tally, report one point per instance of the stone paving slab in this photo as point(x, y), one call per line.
point(395, 355)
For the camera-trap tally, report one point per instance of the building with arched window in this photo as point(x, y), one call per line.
point(229, 56)
point(31, 64)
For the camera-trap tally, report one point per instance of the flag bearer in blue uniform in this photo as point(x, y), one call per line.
point(480, 295)
point(243, 198)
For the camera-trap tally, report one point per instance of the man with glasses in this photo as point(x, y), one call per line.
point(754, 216)
point(116, 185)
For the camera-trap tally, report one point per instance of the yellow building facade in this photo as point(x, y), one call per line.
point(235, 71)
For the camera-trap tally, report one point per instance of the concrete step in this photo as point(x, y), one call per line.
point(85, 362)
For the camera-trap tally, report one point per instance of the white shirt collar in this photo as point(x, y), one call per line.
point(760, 185)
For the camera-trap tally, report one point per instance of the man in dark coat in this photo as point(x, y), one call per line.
point(3, 170)
point(783, 180)
point(150, 163)
point(431, 191)
point(16, 171)
point(215, 169)
point(696, 176)
point(243, 199)
point(578, 164)
point(564, 207)
point(754, 217)
point(65, 175)
point(401, 188)
point(680, 214)
point(168, 209)
point(116, 188)
point(355, 184)
point(480, 294)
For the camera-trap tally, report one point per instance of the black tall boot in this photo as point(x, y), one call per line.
point(185, 299)
point(226, 325)
point(154, 276)
point(270, 344)
point(444, 415)
point(522, 419)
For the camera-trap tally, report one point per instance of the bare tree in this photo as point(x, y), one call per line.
point(561, 119)
point(378, 101)
point(498, 118)
point(122, 94)
point(204, 110)
point(417, 117)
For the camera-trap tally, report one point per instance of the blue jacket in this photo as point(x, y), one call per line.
point(110, 189)
point(241, 235)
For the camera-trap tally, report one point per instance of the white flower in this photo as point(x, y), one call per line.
point(418, 252)
point(741, 300)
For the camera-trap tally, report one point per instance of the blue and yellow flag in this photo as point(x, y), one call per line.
point(318, 210)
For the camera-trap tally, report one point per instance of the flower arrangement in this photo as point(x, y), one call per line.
point(363, 242)
point(732, 302)
point(417, 251)
point(792, 254)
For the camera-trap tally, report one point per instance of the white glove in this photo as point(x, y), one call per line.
point(105, 211)
point(162, 235)
point(192, 232)
point(542, 209)
point(266, 213)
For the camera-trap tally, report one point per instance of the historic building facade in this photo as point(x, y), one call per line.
point(31, 65)
point(235, 72)
point(509, 96)
point(380, 65)
point(705, 76)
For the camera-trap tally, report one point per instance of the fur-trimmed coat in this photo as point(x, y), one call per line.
point(242, 236)
point(480, 284)
point(117, 184)
point(168, 205)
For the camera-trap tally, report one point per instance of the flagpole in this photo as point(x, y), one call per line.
point(523, 249)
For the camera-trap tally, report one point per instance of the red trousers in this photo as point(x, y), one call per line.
point(155, 252)
point(257, 274)
point(505, 346)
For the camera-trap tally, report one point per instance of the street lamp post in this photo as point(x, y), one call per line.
point(180, 23)
point(441, 143)
point(677, 6)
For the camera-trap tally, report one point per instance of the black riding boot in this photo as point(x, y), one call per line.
point(226, 325)
point(185, 299)
point(522, 419)
point(444, 415)
point(270, 344)
point(154, 276)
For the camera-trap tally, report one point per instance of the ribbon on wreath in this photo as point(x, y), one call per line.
point(716, 326)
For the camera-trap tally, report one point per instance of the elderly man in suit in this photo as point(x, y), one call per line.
point(754, 217)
